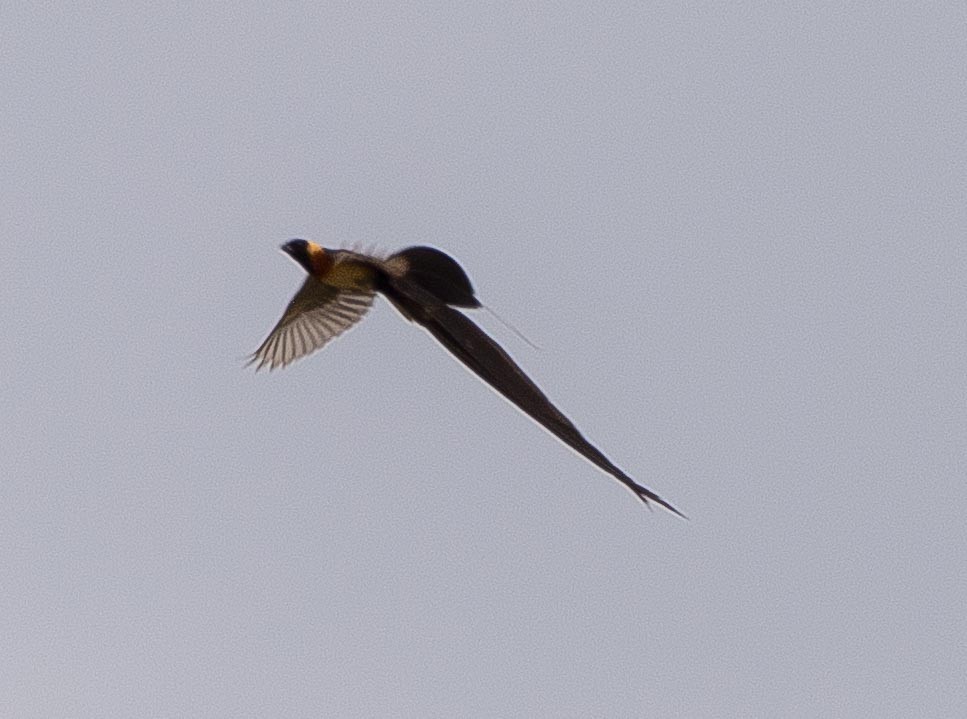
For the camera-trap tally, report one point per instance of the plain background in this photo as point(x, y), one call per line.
point(737, 233)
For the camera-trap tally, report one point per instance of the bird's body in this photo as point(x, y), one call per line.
point(425, 285)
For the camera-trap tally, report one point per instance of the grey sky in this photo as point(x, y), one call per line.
point(738, 235)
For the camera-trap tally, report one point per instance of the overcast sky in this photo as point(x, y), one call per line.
point(737, 234)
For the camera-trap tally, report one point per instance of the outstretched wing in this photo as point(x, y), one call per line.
point(316, 314)
point(472, 346)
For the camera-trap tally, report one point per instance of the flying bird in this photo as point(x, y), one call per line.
point(426, 286)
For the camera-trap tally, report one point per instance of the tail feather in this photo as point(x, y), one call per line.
point(483, 356)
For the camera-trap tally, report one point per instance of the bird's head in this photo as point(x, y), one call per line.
point(304, 252)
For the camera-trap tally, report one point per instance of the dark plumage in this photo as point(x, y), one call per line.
point(425, 285)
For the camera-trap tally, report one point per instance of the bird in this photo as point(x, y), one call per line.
point(429, 288)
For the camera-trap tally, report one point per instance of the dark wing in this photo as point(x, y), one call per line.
point(472, 346)
point(316, 314)
point(439, 274)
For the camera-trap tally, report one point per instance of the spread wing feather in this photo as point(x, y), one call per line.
point(317, 314)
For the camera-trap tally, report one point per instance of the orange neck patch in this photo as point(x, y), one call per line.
point(320, 261)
